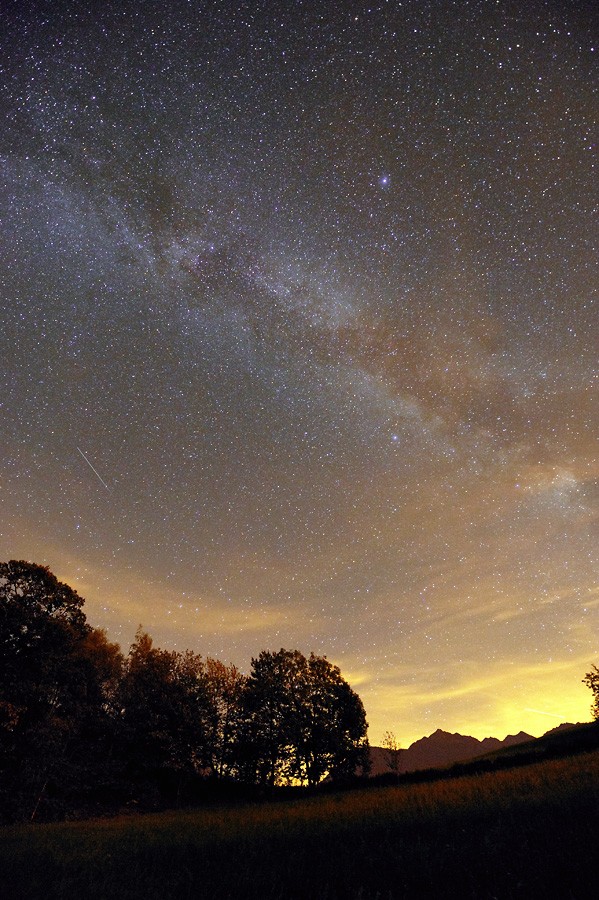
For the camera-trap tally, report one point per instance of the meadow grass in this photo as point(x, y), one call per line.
point(527, 833)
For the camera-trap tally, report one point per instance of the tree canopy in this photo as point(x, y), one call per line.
point(55, 677)
point(303, 720)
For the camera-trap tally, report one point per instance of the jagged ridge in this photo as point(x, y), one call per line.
point(443, 749)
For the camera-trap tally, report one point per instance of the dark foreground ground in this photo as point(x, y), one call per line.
point(529, 832)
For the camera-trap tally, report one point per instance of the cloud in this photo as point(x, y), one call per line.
point(490, 699)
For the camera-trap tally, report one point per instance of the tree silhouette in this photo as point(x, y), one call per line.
point(164, 709)
point(591, 679)
point(392, 751)
point(301, 722)
point(55, 673)
point(223, 686)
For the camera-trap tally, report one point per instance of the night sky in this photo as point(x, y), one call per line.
point(298, 340)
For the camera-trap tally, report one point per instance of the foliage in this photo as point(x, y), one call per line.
point(224, 687)
point(591, 679)
point(164, 708)
point(56, 674)
point(302, 721)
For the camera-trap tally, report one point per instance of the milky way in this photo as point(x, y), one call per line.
point(298, 338)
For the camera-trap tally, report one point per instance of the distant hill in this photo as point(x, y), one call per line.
point(442, 749)
point(564, 740)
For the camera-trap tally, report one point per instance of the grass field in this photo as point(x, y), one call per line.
point(527, 833)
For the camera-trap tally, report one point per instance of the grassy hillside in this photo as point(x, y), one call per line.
point(528, 833)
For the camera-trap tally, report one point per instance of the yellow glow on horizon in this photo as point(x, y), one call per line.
point(412, 699)
point(498, 701)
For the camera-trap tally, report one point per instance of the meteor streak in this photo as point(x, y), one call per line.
point(94, 470)
point(542, 712)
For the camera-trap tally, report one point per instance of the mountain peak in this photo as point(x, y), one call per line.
point(442, 748)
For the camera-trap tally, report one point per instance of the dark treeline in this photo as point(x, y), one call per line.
point(85, 729)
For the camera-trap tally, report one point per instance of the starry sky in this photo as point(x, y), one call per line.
point(298, 340)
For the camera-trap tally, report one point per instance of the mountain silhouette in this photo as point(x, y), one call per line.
point(441, 749)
